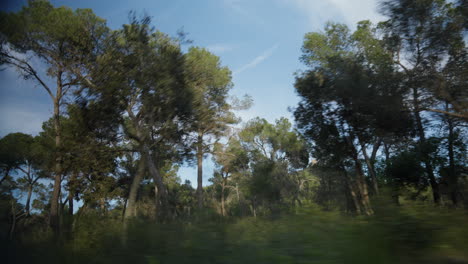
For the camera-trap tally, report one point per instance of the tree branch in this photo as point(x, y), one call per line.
point(29, 71)
point(459, 115)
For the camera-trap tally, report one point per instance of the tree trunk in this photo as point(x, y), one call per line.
point(453, 180)
point(28, 200)
point(124, 208)
point(361, 183)
point(70, 202)
point(352, 191)
point(13, 222)
point(54, 220)
point(223, 212)
point(370, 167)
point(130, 210)
point(156, 196)
point(360, 179)
point(357, 206)
point(425, 155)
point(163, 209)
point(200, 170)
point(102, 203)
point(71, 193)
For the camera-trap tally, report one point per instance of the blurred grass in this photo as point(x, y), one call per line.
point(415, 233)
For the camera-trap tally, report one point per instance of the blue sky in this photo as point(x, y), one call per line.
point(259, 40)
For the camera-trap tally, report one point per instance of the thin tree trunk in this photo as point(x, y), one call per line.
point(361, 183)
point(370, 167)
point(71, 193)
point(124, 208)
point(156, 196)
point(28, 200)
point(13, 222)
point(426, 157)
point(355, 199)
point(102, 203)
point(360, 179)
point(223, 212)
point(54, 220)
point(70, 202)
point(453, 181)
point(200, 170)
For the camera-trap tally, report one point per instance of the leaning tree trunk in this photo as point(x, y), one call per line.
point(162, 204)
point(130, 206)
point(370, 165)
point(130, 210)
point(200, 170)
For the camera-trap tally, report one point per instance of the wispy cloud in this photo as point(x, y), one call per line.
point(236, 6)
point(240, 7)
point(219, 48)
point(349, 12)
point(257, 60)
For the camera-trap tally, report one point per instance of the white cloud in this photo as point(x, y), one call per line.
point(257, 60)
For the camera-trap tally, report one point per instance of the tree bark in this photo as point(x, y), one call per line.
point(200, 170)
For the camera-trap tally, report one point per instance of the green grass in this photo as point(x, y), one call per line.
point(410, 234)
